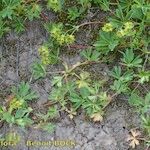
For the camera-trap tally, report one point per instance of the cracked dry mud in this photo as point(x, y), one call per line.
point(109, 135)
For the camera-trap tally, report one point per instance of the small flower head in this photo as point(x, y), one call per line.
point(108, 27)
point(43, 50)
point(15, 103)
point(69, 39)
point(61, 39)
point(121, 33)
point(44, 54)
point(128, 25)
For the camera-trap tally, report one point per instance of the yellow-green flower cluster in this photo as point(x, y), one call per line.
point(61, 37)
point(15, 104)
point(128, 25)
point(108, 27)
point(44, 54)
point(126, 30)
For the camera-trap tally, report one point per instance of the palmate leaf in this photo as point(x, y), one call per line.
point(77, 100)
point(57, 80)
point(84, 80)
point(8, 8)
point(144, 76)
point(146, 123)
point(34, 12)
point(24, 121)
point(38, 70)
point(8, 117)
point(140, 9)
point(120, 17)
point(130, 60)
point(74, 13)
point(104, 4)
point(7, 12)
point(20, 113)
point(135, 100)
point(90, 55)
point(18, 24)
point(120, 86)
point(142, 104)
point(59, 93)
point(117, 74)
point(91, 107)
point(126, 4)
point(107, 42)
point(24, 92)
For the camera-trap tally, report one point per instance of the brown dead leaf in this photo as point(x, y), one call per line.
point(10, 98)
point(97, 117)
point(133, 138)
point(71, 113)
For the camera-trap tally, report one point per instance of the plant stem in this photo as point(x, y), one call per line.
point(88, 23)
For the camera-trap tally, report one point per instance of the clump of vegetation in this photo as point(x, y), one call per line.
point(17, 110)
point(13, 14)
point(124, 35)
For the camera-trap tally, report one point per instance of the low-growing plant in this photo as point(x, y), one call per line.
point(81, 93)
point(74, 13)
point(13, 14)
point(142, 106)
point(124, 37)
point(55, 5)
point(17, 111)
point(38, 70)
point(61, 36)
point(130, 60)
point(44, 122)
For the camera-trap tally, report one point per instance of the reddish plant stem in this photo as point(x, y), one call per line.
point(44, 17)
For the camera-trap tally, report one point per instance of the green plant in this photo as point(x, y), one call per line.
point(61, 36)
point(14, 13)
point(90, 55)
point(80, 93)
point(18, 111)
point(21, 117)
point(44, 120)
point(122, 82)
point(142, 106)
point(85, 3)
point(104, 4)
point(38, 70)
point(107, 42)
point(23, 92)
point(144, 76)
point(130, 60)
point(74, 13)
point(75, 88)
point(56, 5)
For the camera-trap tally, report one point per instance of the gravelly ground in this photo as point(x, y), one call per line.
point(109, 135)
